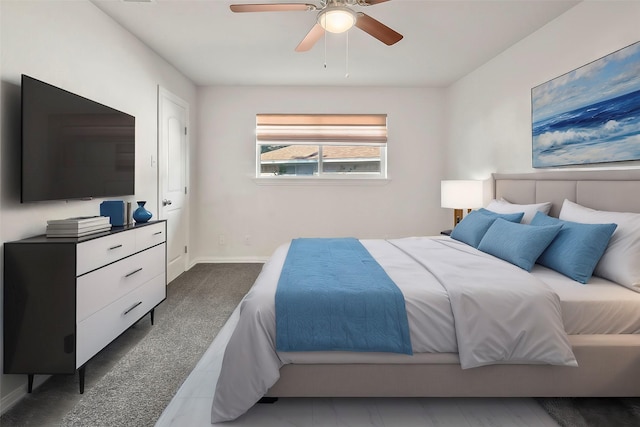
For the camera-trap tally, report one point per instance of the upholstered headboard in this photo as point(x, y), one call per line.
point(610, 190)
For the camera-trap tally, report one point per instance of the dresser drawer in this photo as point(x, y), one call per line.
point(98, 330)
point(104, 250)
point(150, 235)
point(105, 285)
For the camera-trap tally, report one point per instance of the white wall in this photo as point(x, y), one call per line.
point(73, 45)
point(227, 201)
point(489, 110)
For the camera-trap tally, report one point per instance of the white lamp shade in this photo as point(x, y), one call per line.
point(461, 194)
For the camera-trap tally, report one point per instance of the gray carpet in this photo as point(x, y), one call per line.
point(152, 362)
point(593, 412)
point(143, 383)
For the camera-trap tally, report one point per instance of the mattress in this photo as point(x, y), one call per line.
point(598, 307)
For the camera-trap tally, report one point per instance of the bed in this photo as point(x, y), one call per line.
point(601, 320)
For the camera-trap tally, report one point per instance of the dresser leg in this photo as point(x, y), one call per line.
point(29, 383)
point(81, 375)
point(151, 314)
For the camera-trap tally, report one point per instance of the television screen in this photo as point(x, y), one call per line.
point(72, 147)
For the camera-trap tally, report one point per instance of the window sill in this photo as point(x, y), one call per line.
point(321, 181)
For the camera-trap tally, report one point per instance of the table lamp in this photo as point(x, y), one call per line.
point(459, 195)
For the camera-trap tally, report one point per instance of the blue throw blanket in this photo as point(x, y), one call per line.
point(332, 295)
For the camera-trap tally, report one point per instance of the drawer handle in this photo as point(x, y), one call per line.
point(133, 272)
point(156, 233)
point(132, 307)
point(115, 247)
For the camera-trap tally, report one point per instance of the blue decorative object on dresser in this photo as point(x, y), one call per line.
point(141, 214)
point(114, 209)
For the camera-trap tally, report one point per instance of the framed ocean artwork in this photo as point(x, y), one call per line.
point(589, 115)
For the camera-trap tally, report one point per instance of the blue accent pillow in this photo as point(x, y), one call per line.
point(511, 217)
point(519, 244)
point(473, 226)
point(577, 248)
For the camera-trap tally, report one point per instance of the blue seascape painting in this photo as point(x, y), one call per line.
point(590, 115)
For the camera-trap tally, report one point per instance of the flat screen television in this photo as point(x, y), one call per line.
point(72, 147)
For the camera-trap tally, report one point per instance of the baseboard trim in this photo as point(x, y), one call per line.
point(230, 260)
point(11, 399)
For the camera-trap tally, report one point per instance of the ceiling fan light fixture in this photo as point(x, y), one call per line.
point(337, 19)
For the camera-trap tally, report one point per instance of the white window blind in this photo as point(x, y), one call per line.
point(327, 129)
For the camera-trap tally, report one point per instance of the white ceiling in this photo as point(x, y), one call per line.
point(443, 40)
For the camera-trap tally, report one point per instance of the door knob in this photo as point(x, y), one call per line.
point(166, 202)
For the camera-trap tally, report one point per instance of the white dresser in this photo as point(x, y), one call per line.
point(65, 299)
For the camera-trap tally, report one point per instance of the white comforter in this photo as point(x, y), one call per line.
point(458, 300)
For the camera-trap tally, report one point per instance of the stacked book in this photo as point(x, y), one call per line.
point(78, 226)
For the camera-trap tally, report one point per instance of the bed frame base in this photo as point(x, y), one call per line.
point(608, 366)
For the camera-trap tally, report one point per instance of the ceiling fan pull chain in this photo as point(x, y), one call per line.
point(346, 59)
point(325, 50)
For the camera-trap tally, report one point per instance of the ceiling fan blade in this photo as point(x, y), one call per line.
point(310, 39)
point(370, 2)
point(377, 29)
point(272, 7)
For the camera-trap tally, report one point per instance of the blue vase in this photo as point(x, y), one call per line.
point(141, 215)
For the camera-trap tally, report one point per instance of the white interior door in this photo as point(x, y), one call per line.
point(173, 113)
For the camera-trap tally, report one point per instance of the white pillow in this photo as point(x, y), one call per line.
point(620, 262)
point(505, 207)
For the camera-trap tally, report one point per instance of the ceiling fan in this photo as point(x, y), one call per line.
point(335, 16)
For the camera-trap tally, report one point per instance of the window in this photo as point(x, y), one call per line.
point(321, 145)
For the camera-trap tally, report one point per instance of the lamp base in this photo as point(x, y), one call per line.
point(458, 214)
